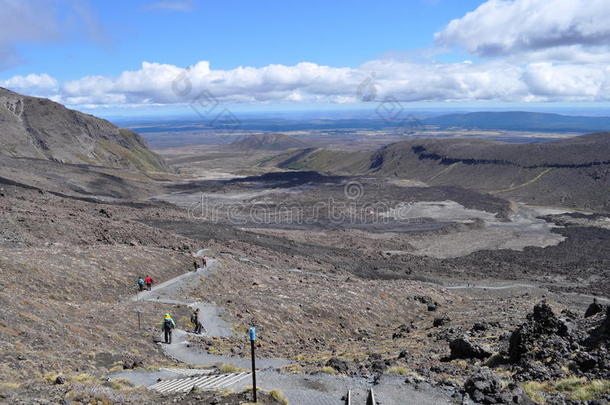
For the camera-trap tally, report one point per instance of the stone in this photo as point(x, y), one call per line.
point(440, 321)
point(339, 365)
point(461, 348)
point(483, 387)
point(594, 308)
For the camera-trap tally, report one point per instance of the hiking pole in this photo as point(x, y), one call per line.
point(252, 339)
point(139, 323)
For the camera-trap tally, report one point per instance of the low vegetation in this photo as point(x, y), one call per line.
point(574, 388)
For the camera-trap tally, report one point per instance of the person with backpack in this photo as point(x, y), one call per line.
point(149, 282)
point(195, 265)
point(141, 283)
point(197, 322)
point(168, 325)
point(204, 261)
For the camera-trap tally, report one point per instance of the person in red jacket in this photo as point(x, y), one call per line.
point(149, 282)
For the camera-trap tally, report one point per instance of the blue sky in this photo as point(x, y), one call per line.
point(236, 33)
point(126, 56)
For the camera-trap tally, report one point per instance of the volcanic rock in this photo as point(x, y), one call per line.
point(461, 348)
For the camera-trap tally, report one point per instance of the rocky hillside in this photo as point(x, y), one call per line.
point(268, 142)
point(39, 128)
point(572, 173)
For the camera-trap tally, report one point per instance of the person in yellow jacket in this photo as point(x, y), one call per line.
point(168, 325)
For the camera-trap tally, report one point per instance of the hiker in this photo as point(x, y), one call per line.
point(141, 284)
point(197, 322)
point(204, 261)
point(149, 282)
point(167, 326)
point(195, 265)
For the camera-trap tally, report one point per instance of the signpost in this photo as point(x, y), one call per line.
point(252, 339)
point(139, 311)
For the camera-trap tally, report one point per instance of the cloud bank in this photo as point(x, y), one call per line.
point(156, 83)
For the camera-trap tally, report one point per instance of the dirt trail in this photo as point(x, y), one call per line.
point(299, 389)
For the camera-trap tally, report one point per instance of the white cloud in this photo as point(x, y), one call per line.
point(33, 84)
point(163, 84)
point(508, 28)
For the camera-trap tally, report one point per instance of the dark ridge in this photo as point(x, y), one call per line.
point(419, 151)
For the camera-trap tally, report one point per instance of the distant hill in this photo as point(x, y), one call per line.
point(39, 128)
point(572, 172)
point(268, 142)
point(521, 121)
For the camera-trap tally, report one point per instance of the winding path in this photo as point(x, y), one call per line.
point(300, 389)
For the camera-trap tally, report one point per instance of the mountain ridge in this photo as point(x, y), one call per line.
point(32, 127)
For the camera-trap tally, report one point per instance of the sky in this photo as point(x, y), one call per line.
point(164, 57)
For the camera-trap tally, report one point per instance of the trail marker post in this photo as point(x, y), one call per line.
point(252, 339)
point(139, 311)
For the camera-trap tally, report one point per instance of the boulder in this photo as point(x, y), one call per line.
point(462, 348)
point(594, 308)
point(440, 321)
point(483, 387)
point(131, 362)
point(339, 365)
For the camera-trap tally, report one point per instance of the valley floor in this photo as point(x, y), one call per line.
point(357, 299)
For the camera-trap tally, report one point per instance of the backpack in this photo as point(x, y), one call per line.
point(140, 281)
point(193, 318)
point(168, 324)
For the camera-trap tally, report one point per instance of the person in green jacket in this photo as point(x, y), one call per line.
point(168, 325)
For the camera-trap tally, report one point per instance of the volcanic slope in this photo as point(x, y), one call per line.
point(572, 173)
point(39, 128)
point(46, 146)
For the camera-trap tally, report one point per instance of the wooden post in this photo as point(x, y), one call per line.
point(138, 311)
point(252, 339)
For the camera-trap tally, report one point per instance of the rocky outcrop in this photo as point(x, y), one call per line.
point(484, 387)
point(542, 326)
point(594, 308)
point(544, 345)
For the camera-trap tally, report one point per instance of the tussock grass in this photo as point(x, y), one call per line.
point(292, 369)
point(328, 370)
point(50, 377)
point(398, 370)
point(120, 384)
point(534, 390)
point(229, 368)
point(574, 388)
point(84, 378)
point(279, 396)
